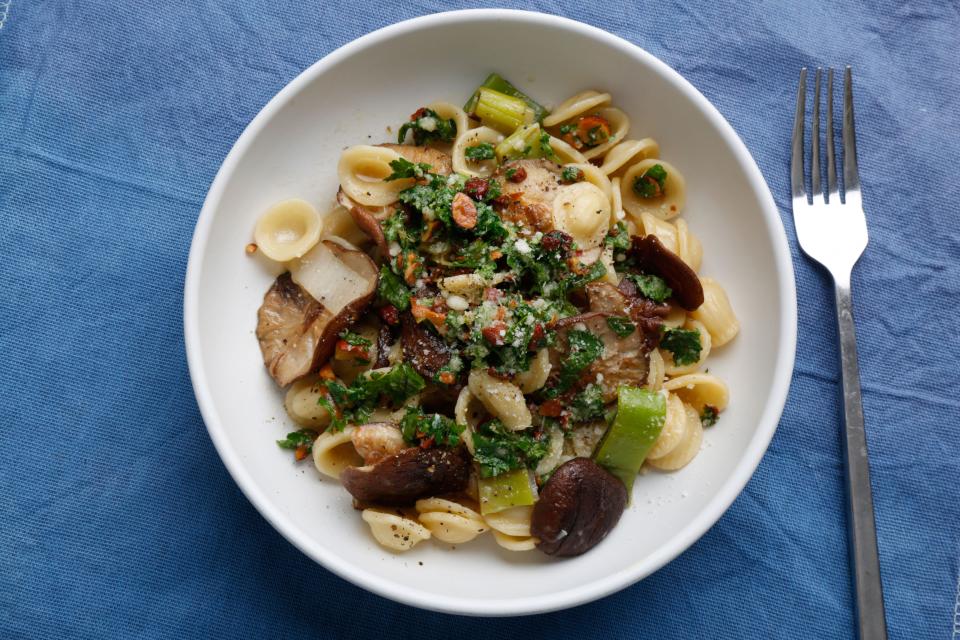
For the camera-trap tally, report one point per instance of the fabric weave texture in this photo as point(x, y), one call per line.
point(117, 520)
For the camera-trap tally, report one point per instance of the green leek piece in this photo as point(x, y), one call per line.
point(525, 142)
point(640, 417)
point(496, 82)
point(502, 112)
point(510, 489)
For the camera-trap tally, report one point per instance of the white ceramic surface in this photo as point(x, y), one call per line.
point(351, 96)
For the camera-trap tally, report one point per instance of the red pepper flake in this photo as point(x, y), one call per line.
point(326, 372)
point(419, 113)
point(346, 351)
point(446, 377)
point(464, 211)
point(251, 248)
point(390, 314)
point(519, 175)
point(476, 188)
point(301, 452)
point(495, 334)
point(551, 408)
point(536, 338)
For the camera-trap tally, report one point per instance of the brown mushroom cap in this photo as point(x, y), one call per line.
point(368, 220)
point(404, 477)
point(426, 351)
point(578, 507)
point(655, 258)
point(297, 333)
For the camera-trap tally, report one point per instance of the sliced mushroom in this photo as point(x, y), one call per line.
point(529, 203)
point(578, 507)
point(297, 329)
point(655, 258)
point(413, 473)
point(625, 300)
point(439, 161)
point(375, 441)
point(423, 349)
point(368, 220)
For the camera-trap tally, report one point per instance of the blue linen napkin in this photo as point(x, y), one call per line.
point(118, 521)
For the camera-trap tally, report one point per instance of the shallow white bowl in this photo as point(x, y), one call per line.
point(291, 149)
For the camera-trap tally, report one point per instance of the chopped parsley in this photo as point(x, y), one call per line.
point(391, 289)
point(424, 429)
point(355, 339)
point(297, 439)
point(570, 175)
point(583, 348)
point(478, 152)
point(588, 404)
point(498, 450)
point(427, 126)
point(684, 344)
point(579, 280)
point(651, 183)
point(570, 127)
point(653, 287)
point(709, 416)
point(618, 238)
point(621, 326)
point(353, 404)
point(403, 168)
point(434, 201)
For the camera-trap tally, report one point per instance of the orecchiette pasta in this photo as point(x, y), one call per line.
point(672, 369)
point(565, 153)
point(686, 449)
point(575, 106)
point(593, 175)
point(655, 371)
point(502, 399)
point(393, 531)
point(716, 314)
point(515, 543)
point(302, 404)
point(674, 428)
point(514, 521)
point(665, 231)
point(338, 222)
point(554, 454)
point(675, 317)
point(700, 390)
point(668, 204)
point(333, 452)
point(582, 210)
point(473, 137)
point(627, 151)
point(536, 376)
point(450, 521)
point(688, 245)
point(450, 111)
point(288, 230)
point(619, 126)
point(362, 170)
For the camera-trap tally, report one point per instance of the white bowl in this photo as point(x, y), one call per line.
point(291, 149)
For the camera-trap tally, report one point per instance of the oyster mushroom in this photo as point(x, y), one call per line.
point(529, 203)
point(653, 257)
point(578, 507)
point(375, 441)
point(368, 220)
point(404, 477)
point(423, 349)
point(305, 309)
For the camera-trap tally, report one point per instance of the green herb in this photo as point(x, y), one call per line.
point(546, 150)
point(684, 344)
point(403, 168)
point(652, 287)
point(588, 404)
point(651, 183)
point(582, 349)
point(427, 126)
point(489, 223)
point(512, 171)
point(621, 326)
point(478, 152)
point(570, 127)
point(570, 175)
point(392, 289)
point(421, 428)
point(618, 238)
point(709, 416)
point(498, 450)
point(353, 404)
point(354, 339)
point(578, 280)
point(297, 439)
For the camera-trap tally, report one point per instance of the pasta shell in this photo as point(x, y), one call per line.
point(288, 230)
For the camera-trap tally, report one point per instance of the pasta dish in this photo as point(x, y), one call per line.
point(498, 326)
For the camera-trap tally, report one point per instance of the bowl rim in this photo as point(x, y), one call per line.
point(628, 575)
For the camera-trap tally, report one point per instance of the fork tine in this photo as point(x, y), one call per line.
point(796, 165)
point(815, 139)
point(851, 175)
point(831, 153)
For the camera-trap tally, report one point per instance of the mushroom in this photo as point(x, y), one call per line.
point(368, 220)
point(375, 441)
point(653, 257)
point(306, 308)
point(529, 203)
point(625, 300)
point(578, 507)
point(404, 477)
point(426, 351)
point(439, 161)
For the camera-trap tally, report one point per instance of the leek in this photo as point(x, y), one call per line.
point(507, 490)
point(496, 82)
point(502, 112)
point(639, 421)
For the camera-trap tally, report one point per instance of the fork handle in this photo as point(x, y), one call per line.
point(865, 560)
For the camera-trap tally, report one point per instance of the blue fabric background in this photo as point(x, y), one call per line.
point(117, 520)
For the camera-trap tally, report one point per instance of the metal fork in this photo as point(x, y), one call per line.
point(834, 233)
